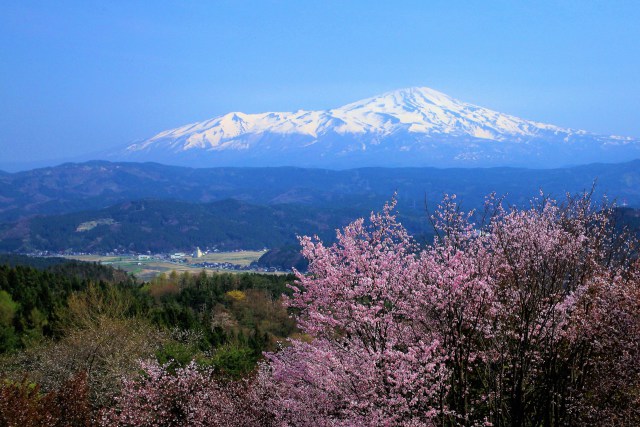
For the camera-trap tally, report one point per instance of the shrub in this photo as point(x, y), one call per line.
point(22, 404)
point(191, 396)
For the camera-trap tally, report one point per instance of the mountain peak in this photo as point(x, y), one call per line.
point(421, 93)
point(416, 126)
point(411, 98)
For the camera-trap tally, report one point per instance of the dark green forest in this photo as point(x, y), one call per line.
point(164, 226)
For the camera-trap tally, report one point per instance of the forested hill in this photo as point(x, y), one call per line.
point(33, 291)
point(164, 226)
point(96, 185)
point(70, 317)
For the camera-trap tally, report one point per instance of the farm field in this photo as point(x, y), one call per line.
point(145, 269)
point(242, 258)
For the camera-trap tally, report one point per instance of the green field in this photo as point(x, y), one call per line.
point(241, 257)
point(147, 269)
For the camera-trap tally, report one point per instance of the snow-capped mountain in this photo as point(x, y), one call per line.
point(407, 127)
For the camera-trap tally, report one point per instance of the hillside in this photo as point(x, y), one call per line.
point(74, 187)
point(162, 226)
point(165, 226)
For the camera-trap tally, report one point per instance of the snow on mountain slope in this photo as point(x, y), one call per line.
point(407, 127)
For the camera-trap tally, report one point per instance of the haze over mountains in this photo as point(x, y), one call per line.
point(408, 127)
point(99, 184)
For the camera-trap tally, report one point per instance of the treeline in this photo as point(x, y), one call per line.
point(30, 261)
point(32, 300)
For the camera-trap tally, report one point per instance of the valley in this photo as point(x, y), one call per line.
point(146, 267)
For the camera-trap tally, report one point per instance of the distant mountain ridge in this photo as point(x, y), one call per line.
point(96, 185)
point(408, 127)
point(100, 206)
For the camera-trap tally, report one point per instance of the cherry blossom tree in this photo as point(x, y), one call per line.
point(371, 361)
point(528, 318)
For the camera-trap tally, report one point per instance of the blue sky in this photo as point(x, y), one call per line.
point(84, 76)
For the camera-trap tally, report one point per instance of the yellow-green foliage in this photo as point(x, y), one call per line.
point(237, 295)
point(8, 308)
